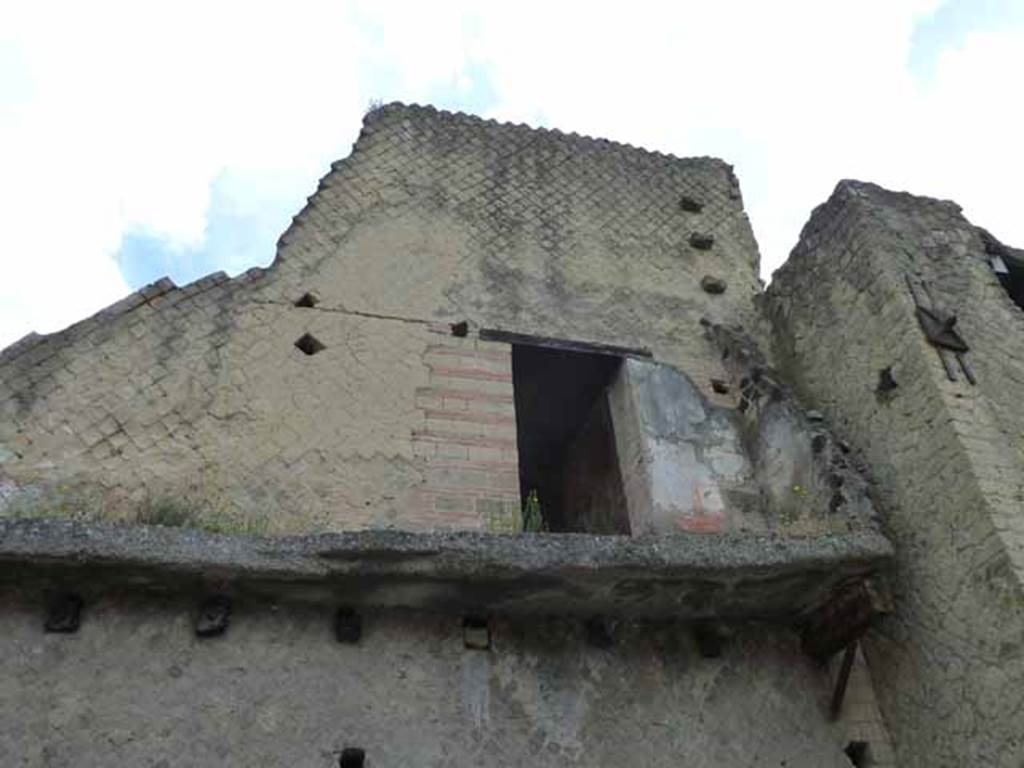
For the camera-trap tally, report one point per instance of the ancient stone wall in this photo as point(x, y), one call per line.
point(766, 465)
point(353, 386)
point(945, 455)
point(135, 687)
point(197, 404)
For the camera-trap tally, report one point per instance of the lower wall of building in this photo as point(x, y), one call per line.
point(134, 686)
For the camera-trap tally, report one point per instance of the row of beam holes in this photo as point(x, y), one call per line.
point(308, 344)
point(64, 612)
point(352, 757)
point(64, 616)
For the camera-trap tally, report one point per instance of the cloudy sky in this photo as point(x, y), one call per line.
point(143, 139)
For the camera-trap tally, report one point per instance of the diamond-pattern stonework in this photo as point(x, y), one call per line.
point(194, 402)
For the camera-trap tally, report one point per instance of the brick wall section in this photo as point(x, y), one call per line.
point(467, 440)
point(945, 458)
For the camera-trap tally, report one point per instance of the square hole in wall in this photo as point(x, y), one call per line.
point(352, 757)
point(307, 300)
point(309, 344)
point(476, 633)
point(1010, 271)
point(63, 612)
point(859, 753)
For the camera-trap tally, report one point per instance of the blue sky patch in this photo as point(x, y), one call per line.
point(950, 26)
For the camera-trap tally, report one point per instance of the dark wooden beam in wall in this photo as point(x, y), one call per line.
point(593, 348)
point(836, 707)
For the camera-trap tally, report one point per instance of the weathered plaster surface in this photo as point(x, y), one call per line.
point(690, 465)
point(945, 457)
point(687, 454)
point(135, 687)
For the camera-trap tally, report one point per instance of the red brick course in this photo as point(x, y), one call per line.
point(468, 439)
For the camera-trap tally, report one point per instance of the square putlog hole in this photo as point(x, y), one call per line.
point(63, 614)
point(214, 617)
point(348, 626)
point(476, 633)
point(310, 344)
point(859, 753)
point(352, 757)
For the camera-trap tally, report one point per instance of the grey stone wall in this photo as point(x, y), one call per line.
point(135, 687)
point(194, 403)
point(945, 456)
point(194, 406)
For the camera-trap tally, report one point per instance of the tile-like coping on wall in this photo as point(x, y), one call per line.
point(685, 576)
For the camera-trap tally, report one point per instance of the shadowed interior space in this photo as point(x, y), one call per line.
point(567, 459)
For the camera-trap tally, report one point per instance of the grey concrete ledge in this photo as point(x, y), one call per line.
point(684, 576)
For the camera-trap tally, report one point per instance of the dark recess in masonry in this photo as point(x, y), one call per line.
point(307, 300)
point(690, 205)
point(352, 757)
point(710, 639)
point(1008, 264)
point(309, 344)
point(214, 617)
point(713, 285)
point(886, 383)
point(598, 631)
point(702, 241)
point(1013, 281)
point(348, 626)
point(63, 613)
point(460, 329)
point(476, 633)
point(719, 386)
point(859, 753)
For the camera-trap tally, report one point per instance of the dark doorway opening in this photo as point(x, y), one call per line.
point(568, 463)
point(859, 753)
point(1008, 264)
point(1010, 271)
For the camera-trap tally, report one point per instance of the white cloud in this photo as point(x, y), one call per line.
point(118, 117)
point(121, 115)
